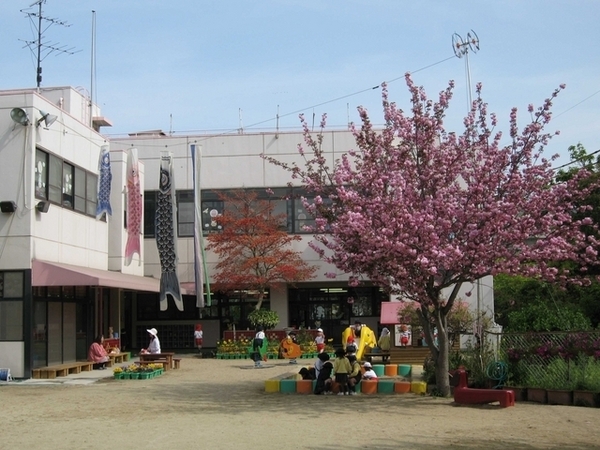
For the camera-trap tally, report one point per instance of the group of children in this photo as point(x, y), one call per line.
point(345, 370)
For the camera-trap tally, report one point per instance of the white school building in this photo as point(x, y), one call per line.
point(63, 277)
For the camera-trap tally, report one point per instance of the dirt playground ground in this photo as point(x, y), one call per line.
point(221, 404)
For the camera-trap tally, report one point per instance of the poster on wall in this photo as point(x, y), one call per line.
point(403, 335)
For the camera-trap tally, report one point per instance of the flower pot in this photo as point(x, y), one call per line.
point(559, 397)
point(585, 398)
point(537, 395)
point(118, 375)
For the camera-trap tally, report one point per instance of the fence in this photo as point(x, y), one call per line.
point(559, 360)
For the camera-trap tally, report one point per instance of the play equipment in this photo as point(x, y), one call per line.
point(418, 387)
point(304, 386)
point(404, 370)
point(287, 386)
point(368, 386)
point(385, 386)
point(468, 396)
point(289, 348)
point(379, 369)
point(402, 387)
point(391, 370)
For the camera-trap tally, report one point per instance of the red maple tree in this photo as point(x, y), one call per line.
point(255, 253)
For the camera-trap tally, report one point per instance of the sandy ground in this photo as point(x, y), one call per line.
point(221, 404)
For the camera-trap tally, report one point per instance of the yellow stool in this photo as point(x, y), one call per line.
point(418, 387)
point(272, 386)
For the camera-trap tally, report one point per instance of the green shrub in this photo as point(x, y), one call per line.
point(263, 317)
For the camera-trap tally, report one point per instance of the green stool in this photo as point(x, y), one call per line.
point(287, 386)
point(385, 386)
point(404, 370)
point(379, 369)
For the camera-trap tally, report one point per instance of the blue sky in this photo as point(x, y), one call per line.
point(190, 66)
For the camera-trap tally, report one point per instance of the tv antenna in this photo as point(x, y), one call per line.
point(462, 48)
point(40, 46)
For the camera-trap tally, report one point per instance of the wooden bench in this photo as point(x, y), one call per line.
point(164, 363)
point(165, 358)
point(176, 363)
point(385, 357)
point(118, 358)
point(62, 370)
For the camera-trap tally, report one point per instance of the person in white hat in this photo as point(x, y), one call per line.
point(154, 346)
point(320, 340)
point(369, 372)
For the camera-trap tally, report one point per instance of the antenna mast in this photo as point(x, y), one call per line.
point(37, 46)
point(461, 48)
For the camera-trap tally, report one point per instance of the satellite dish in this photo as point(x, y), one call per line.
point(19, 115)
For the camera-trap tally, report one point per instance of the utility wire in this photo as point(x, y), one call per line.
point(319, 104)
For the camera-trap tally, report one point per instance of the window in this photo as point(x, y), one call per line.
point(65, 184)
point(55, 180)
point(11, 311)
point(91, 193)
point(11, 320)
point(41, 174)
point(302, 218)
point(149, 213)
point(185, 213)
point(278, 198)
point(211, 209)
point(79, 184)
point(11, 285)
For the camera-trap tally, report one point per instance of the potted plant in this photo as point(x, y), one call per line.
point(587, 382)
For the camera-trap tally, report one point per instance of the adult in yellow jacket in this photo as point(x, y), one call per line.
point(363, 337)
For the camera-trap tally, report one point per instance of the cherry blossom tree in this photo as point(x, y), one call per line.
point(421, 210)
point(255, 253)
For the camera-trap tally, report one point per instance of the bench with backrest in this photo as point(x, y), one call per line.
point(385, 356)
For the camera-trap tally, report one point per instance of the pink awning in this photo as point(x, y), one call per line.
point(389, 313)
point(46, 273)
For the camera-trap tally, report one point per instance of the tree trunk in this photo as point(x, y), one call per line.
point(442, 378)
point(259, 301)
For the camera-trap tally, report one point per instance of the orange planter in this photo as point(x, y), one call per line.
point(391, 370)
point(401, 387)
point(304, 386)
point(368, 386)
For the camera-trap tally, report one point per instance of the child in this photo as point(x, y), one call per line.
point(198, 337)
point(369, 372)
point(323, 385)
point(307, 374)
point(322, 358)
point(320, 340)
point(341, 368)
point(354, 376)
point(351, 346)
point(384, 340)
point(257, 346)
